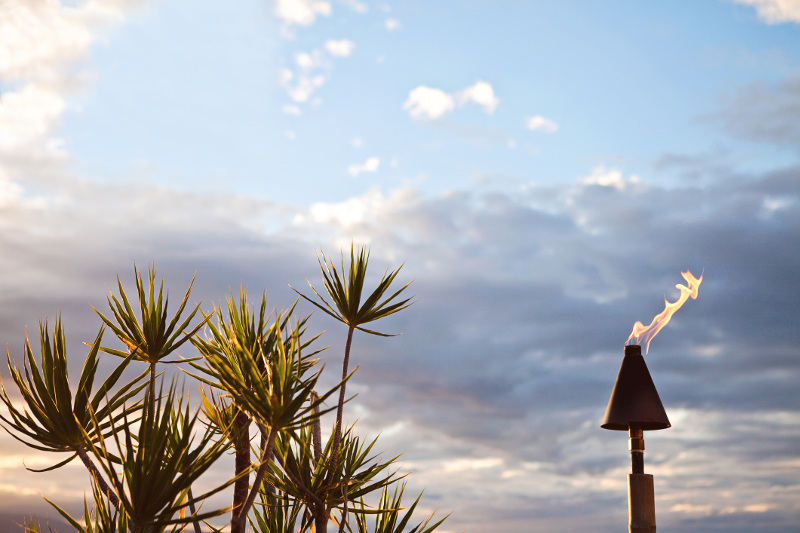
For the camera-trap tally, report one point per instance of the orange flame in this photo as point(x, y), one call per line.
point(642, 334)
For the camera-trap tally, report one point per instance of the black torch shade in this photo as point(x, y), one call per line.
point(634, 402)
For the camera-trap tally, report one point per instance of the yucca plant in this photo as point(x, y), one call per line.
point(259, 375)
point(52, 420)
point(276, 514)
point(305, 476)
point(159, 463)
point(348, 306)
point(149, 337)
point(388, 517)
point(101, 518)
point(266, 377)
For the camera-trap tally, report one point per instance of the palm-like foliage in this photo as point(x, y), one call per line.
point(159, 464)
point(246, 338)
point(346, 295)
point(307, 478)
point(274, 389)
point(149, 337)
point(266, 376)
point(346, 306)
point(52, 420)
point(276, 514)
point(262, 376)
point(102, 518)
point(389, 519)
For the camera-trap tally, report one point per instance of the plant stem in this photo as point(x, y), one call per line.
point(151, 391)
point(98, 478)
point(266, 457)
point(316, 430)
point(270, 487)
point(101, 483)
point(194, 512)
point(337, 436)
point(242, 464)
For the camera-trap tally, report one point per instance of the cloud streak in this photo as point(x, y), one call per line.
point(370, 165)
point(540, 123)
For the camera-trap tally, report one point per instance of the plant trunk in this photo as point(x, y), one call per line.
point(242, 464)
point(316, 431)
point(320, 521)
point(101, 483)
point(337, 436)
point(192, 510)
point(151, 390)
point(98, 478)
point(266, 457)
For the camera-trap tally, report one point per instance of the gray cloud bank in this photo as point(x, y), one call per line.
point(497, 386)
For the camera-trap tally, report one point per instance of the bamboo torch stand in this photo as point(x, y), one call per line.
point(641, 504)
point(641, 497)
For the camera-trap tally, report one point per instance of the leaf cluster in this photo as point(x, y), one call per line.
point(346, 295)
point(52, 419)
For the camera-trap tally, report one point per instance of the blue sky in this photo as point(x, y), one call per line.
point(544, 170)
point(622, 83)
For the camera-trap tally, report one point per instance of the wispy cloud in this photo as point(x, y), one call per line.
point(311, 71)
point(763, 111)
point(540, 123)
point(340, 48)
point(370, 165)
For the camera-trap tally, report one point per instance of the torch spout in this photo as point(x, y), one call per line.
point(636, 446)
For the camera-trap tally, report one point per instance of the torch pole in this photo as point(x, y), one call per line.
point(641, 497)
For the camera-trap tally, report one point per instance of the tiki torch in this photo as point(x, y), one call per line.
point(634, 406)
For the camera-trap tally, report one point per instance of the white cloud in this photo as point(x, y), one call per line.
point(39, 45)
point(301, 12)
point(357, 142)
point(431, 103)
point(28, 115)
point(775, 11)
point(392, 24)
point(311, 72)
point(370, 165)
point(301, 87)
point(10, 192)
point(348, 213)
point(482, 94)
point(458, 465)
point(38, 37)
point(341, 48)
point(612, 177)
point(308, 61)
point(540, 123)
point(428, 103)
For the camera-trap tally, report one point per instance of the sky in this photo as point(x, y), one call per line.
point(543, 171)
